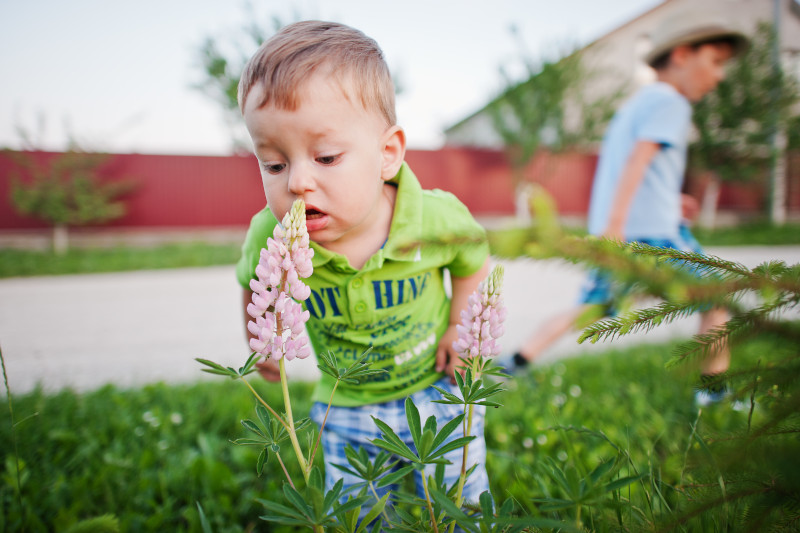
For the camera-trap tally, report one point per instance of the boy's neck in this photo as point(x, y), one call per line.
point(359, 250)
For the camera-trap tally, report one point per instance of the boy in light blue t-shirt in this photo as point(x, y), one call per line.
point(636, 194)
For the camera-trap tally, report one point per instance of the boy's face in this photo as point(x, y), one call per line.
point(701, 69)
point(332, 153)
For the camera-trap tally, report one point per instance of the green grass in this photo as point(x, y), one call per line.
point(762, 233)
point(15, 263)
point(149, 455)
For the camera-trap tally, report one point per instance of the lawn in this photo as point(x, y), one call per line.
point(194, 254)
point(149, 456)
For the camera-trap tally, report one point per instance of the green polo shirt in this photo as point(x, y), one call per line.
point(396, 303)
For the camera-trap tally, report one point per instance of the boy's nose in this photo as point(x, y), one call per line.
point(300, 181)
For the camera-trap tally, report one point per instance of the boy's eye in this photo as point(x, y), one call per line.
point(327, 159)
point(274, 168)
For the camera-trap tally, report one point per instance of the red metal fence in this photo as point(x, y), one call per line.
point(174, 191)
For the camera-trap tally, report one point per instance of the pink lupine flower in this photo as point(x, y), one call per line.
point(482, 321)
point(278, 319)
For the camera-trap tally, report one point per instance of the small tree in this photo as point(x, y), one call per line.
point(221, 62)
point(66, 192)
point(551, 109)
point(736, 123)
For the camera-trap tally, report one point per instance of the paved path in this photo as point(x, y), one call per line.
point(132, 328)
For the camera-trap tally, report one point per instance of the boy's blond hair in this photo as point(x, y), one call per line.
point(283, 63)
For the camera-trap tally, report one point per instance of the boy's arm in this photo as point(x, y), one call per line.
point(632, 176)
point(447, 358)
point(268, 368)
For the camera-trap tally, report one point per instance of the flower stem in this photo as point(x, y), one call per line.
point(324, 420)
point(286, 472)
point(428, 502)
point(290, 419)
point(264, 403)
point(467, 431)
point(377, 499)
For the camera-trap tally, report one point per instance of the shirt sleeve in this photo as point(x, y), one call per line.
point(664, 119)
point(261, 226)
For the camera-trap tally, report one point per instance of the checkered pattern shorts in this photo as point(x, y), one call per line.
point(601, 289)
point(354, 426)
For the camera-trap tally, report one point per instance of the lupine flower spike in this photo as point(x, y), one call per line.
point(482, 321)
point(278, 318)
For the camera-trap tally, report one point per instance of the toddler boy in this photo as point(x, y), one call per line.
point(318, 102)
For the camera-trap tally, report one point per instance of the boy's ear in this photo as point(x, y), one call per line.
point(394, 152)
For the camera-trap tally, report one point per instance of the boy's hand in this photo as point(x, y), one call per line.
point(447, 360)
point(269, 370)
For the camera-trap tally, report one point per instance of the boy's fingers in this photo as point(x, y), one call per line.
point(441, 359)
point(269, 370)
point(452, 366)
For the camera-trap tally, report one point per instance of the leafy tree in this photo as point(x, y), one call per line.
point(744, 479)
point(736, 122)
point(221, 62)
point(551, 110)
point(66, 191)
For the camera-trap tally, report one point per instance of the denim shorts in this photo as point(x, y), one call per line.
point(600, 287)
point(354, 426)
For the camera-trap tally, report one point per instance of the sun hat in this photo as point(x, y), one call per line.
point(694, 26)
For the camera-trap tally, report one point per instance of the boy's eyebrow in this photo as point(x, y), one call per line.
point(315, 135)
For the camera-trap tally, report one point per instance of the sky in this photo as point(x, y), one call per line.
point(118, 75)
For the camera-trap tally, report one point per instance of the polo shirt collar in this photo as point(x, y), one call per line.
point(405, 233)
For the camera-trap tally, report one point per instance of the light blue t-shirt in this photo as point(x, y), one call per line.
point(658, 113)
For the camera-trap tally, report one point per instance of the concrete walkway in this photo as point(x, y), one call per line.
point(133, 328)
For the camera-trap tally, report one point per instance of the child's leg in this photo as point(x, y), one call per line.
point(354, 426)
point(478, 481)
point(719, 359)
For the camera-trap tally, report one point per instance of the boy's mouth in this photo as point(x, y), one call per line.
point(315, 219)
point(313, 213)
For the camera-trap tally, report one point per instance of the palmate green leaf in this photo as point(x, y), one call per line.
point(217, 369)
point(623, 482)
point(464, 521)
point(412, 415)
point(354, 502)
point(393, 477)
point(392, 443)
point(248, 442)
point(452, 445)
point(487, 505)
point(373, 513)
point(249, 364)
point(253, 427)
point(403, 451)
point(284, 513)
point(327, 364)
point(601, 470)
point(262, 459)
point(425, 441)
point(266, 420)
point(297, 500)
point(447, 430)
point(332, 495)
point(449, 398)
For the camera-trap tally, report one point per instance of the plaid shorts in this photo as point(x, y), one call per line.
point(354, 426)
point(600, 287)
